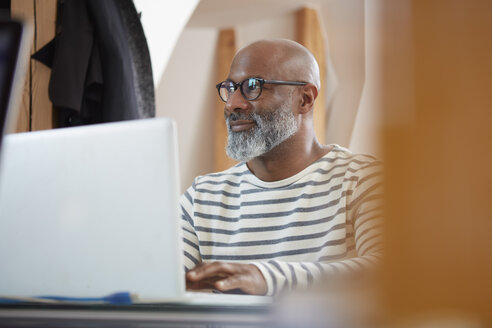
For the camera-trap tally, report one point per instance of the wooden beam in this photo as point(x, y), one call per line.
point(309, 33)
point(24, 9)
point(226, 52)
point(42, 108)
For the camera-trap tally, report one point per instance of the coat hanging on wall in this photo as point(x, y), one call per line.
point(101, 69)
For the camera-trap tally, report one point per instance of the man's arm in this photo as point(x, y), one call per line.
point(191, 250)
point(221, 276)
point(364, 211)
point(268, 278)
point(225, 276)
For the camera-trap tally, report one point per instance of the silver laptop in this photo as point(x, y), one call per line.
point(90, 211)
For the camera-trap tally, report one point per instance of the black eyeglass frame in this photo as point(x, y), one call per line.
point(239, 86)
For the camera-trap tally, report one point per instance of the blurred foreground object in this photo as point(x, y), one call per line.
point(346, 301)
point(435, 91)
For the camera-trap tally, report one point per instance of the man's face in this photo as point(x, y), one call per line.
point(269, 129)
point(258, 126)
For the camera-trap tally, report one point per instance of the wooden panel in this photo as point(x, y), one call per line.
point(439, 177)
point(226, 52)
point(309, 33)
point(42, 108)
point(24, 9)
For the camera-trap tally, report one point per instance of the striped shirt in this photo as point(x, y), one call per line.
point(324, 220)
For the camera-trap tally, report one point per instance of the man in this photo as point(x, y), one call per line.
point(293, 210)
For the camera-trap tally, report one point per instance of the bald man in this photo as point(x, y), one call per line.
point(293, 211)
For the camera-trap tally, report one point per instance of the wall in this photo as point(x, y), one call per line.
point(344, 21)
point(365, 135)
point(277, 27)
point(163, 22)
point(187, 93)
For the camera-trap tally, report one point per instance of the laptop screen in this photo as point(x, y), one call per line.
point(11, 33)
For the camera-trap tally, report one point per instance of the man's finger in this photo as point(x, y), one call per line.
point(210, 280)
point(231, 282)
point(202, 284)
point(198, 285)
point(214, 269)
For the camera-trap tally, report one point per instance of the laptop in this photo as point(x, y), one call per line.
point(93, 210)
point(15, 39)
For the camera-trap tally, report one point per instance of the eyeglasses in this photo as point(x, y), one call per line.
point(250, 88)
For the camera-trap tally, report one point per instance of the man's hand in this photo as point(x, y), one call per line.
point(225, 276)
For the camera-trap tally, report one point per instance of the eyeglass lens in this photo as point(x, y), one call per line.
point(250, 88)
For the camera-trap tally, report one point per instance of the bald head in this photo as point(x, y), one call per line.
point(278, 59)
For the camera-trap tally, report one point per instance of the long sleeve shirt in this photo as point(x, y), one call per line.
point(324, 220)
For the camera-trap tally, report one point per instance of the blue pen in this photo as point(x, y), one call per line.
point(119, 298)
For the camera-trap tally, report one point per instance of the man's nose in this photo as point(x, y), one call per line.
point(236, 102)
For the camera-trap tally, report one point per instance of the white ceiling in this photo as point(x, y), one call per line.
point(229, 13)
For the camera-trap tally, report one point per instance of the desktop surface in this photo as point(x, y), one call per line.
point(138, 315)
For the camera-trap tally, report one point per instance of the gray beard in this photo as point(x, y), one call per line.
point(271, 129)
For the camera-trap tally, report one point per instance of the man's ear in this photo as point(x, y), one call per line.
point(309, 93)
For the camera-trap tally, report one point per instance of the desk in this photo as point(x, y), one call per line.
point(155, 315)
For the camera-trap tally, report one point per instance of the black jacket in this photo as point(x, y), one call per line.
point(101, 70)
